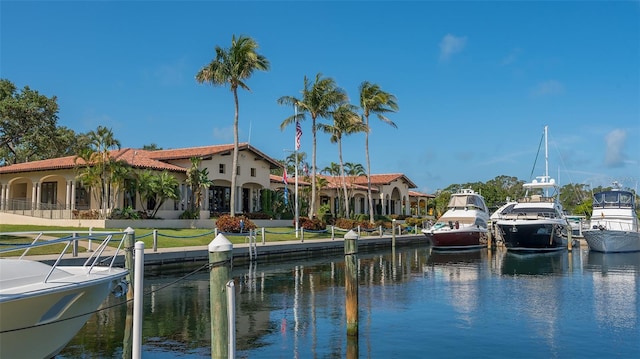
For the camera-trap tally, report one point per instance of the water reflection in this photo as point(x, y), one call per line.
point(552, 263)
point(616, 288)
point(408, 299)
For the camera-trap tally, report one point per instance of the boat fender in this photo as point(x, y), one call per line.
point(457, 225)
point(450, 224)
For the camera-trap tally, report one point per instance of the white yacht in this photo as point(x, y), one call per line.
point(537, 222)
point(463, 225)
point(614, 222)
point(42, 307)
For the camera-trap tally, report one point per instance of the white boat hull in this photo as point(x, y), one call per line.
point(39, 322)
point(610, 241)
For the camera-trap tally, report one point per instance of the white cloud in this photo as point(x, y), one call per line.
point(548, 88)
point(511, 57)
point(451, 45)
point(614, 157)
point(223, 134)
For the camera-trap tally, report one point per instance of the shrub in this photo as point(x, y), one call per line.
point(226, 223)
point(124, 213)
point(312, 224)
point(346, 223)
point(190, 214)
point(411, 221)
point(88, 214)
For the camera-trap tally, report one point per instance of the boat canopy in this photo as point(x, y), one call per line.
point(467, 201)
point(613, 199)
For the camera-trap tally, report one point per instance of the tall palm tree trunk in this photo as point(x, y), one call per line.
point(312, 207)
point(366, 147)
point(234, 166)
point(344, 182)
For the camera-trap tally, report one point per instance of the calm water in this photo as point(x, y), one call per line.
point(414, 303)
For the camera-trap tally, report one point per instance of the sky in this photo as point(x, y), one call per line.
point(476, 81)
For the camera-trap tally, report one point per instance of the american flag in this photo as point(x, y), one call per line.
point(298, 135)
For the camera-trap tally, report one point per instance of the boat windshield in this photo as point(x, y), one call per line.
point(467, 202)
point(613, 199)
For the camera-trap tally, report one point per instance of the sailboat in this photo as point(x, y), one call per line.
point(536, 223)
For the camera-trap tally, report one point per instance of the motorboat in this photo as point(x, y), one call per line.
point(43, 306)
point(537, 222)
point(497, 215)
point(614, 223)
point(463, 225)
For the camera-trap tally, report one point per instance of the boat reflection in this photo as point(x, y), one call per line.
point(458, 272)
point(616, 286)
point(551, 263)
point(605, 262)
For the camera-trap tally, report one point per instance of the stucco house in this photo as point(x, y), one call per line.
point(50, 188)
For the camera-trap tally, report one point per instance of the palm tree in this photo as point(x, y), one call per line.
point(319, 99)
point(345, 122)
point(353, 171)
point(198, 180)
point(155, 188)
point(95, 169)
point(374, 101)
point(232, 67)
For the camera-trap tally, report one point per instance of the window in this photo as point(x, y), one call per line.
point(49, 192)
point(253, 172)
point(221, 168)
point(82, 197)
point(238, 170)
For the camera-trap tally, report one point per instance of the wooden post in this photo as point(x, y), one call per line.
point(351, 282)
point(128, 259)
point(220, 260)
point(393, 233)
point(155, 240)
point(489, 239)
point(569, 239)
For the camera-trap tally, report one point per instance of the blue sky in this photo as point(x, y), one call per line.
point(476, 81)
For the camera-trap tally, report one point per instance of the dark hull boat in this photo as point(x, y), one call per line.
point(534, 236)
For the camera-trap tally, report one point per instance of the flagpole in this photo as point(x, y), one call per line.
point(295, 146)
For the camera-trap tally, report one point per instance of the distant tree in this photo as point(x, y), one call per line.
point(27, 124)
point(233, 66)
point(373, 100)
point(151, 147)
point(318, 100)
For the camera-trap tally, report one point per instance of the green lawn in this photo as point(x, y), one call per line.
point(167, 238)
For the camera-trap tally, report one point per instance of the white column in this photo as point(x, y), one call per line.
point(73, 195)
point(35, 196)
point(3, 197)
point(67, 198)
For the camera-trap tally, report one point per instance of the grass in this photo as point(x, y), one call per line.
point(167, 238)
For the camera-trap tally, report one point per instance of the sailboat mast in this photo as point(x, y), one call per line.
point(546, 154)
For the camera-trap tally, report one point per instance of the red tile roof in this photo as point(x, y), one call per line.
point(136, 158)
point(383, 179)
point(139, 158)
point(420, 194)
